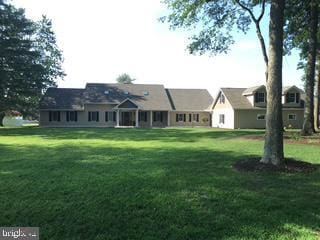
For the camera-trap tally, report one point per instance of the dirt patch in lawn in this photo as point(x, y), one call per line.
point(289, 166)
point(292, 139)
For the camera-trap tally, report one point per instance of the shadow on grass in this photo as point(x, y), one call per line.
point(95, 192)
point(166, 134)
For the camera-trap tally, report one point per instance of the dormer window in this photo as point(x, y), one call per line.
point(293, 97)
point(126, 92)
point(222, 99)
point(260, 97)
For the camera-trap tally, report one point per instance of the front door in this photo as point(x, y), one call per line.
point(126, 120)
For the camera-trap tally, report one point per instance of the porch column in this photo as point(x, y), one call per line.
point(151, 118)
point(137, 118)
point(118, 116)
point(168, 118)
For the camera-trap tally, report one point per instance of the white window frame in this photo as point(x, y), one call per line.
point(222, 117)
point(195, 116)
point(294, 99)
point(264, 97)
point(260, 115)
point(292, 114)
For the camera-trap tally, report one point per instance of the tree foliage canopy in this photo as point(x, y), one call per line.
point(30, 60)
point(213, 22)
point(125, 78)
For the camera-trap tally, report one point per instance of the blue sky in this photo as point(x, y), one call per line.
point(102, 39)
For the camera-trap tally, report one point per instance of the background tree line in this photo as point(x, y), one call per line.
point(30, 60)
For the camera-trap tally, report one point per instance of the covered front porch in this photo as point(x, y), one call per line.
point(129, 114)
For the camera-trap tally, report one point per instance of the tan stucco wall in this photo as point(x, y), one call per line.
point(202, 123)
point(248, 118)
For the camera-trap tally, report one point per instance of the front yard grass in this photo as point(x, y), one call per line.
point(152, 184)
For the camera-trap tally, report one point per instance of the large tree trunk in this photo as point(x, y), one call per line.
point(316, 99)
point(308, 123)
point(273, 146)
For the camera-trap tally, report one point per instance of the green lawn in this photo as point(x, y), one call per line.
point(152, 184)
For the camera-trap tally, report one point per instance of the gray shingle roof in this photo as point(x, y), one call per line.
point(236, 98)
point(252, 90)
point(287, 88)
point(189, 99)
point(63, 98)
point(147, 96)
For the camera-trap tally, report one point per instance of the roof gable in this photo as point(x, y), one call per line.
point(234, 97)
point(127, 104)
point(289, 88)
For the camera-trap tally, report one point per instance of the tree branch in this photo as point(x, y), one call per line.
point(247, 9)
point(263, 10)
point(259, 34)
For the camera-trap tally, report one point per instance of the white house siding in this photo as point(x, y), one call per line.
point(228, 118)
point(223, 108)
point(251, 99)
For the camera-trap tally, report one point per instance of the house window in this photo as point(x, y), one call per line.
point(292, 116)
point(222, 99)
point(93, 116)
point(221, 118)
point(157, 116)
point(293, 97)
point(260, 97)
point(72, 116)
point(195, 117)
point(54, 116)
point(261, 117)
point(180, 117)
point(110, 116)
point(143, 116)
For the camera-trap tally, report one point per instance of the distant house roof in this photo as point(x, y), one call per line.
point(63, 98)
point(237, 97)
point(189, 99)
point(145, 96)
